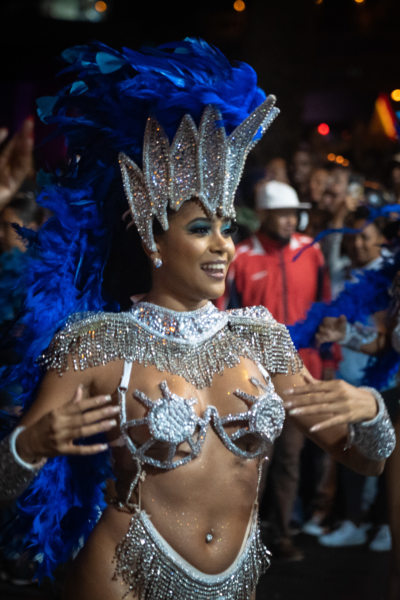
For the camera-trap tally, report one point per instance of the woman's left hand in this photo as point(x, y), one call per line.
point(334, 402)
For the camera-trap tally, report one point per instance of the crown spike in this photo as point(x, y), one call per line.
point(244, 138)
point(185, 172)
point(157, 170)
point(212, 151)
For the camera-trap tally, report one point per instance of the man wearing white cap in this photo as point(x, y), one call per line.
point(265, 273)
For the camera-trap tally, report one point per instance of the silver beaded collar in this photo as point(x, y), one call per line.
point(190, 327)
point(195, 345)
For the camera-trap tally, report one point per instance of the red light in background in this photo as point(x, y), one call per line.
point(323, 129)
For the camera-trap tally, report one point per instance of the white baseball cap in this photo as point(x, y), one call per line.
point(271, 195)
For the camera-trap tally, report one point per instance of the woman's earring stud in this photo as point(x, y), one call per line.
point(157, 262)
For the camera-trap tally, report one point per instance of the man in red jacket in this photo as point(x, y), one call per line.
point(265, 273)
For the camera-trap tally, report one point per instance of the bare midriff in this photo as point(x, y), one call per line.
point(202, 509)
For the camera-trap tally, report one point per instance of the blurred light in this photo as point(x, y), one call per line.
point(319, 1)
point(331, 156)
point(323, 129)
point(239, 5)
point(359, 1)
point(75, 10)
point(395, 95)
point(345, 162)
point(100, 6)
point(386, 116)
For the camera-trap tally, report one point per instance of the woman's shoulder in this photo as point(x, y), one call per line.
point(90, 339)
point(92, 324)
point(81, 321)
point(253, 315)
point(269, 339)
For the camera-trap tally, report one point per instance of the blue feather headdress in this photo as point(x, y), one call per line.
point(100, 112)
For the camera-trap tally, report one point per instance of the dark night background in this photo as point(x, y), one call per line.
point(325, 60)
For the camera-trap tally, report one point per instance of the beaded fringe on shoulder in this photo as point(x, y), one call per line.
point(95, 339)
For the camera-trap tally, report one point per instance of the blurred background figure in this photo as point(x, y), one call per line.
point(394, 176)
point(16, 160)
point(23, 211)
point(318, 217)
point(301, 166)
point(276, 170)
point(341, 197)
point(359, 499)
point(18, 208)
point(318, 184)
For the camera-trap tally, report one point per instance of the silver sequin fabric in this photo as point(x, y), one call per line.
point(195, 345)
point(151, 569)
point(375, 439)
point(172, 420)
point(204, 163)
point(14, 478)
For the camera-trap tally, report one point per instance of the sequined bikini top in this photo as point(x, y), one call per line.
point(195, 345)
point(172, 420)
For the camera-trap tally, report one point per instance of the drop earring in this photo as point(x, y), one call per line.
point(157, 262)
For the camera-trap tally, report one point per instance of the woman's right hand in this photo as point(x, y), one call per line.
point(331, 329)
point(55, 432)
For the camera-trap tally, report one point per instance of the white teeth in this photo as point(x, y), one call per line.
point(213, 267)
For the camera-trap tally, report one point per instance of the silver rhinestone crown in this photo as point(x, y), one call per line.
point(203, 163)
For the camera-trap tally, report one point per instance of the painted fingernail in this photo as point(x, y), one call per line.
point(111, 410)
point(315, 428)
point(112, 423)
point(289, 391)
point(107, 398)
point(287, 404)
point(295, 411)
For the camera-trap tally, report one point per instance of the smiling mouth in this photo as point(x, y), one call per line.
point(214, 270)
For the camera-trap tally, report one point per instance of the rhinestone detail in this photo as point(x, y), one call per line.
point(148, 566)
point(196, 344)
point(204, 163)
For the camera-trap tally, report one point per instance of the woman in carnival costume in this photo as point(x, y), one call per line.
point(183, 400)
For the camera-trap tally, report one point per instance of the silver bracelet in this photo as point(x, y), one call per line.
point(13, 447)
point(375, 438)
point(358, 335)
point(15, 473)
